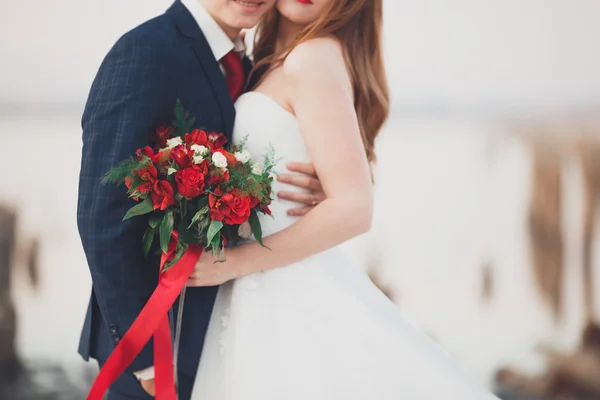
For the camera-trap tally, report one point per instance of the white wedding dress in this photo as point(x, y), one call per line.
point(317, 329)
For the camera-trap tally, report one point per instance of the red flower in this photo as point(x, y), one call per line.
point(217, 140)
point(161, 135)
point(149, 175)
point(197, 136)
point(203, 166)
point(190, 181)
point(182, 156)
point(149, 152)
point(217, 178)
point(163, 195)
point(146, 151)
point(231, 160)
point(232, 208)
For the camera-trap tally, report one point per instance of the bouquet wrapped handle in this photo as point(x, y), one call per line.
point(153, 320)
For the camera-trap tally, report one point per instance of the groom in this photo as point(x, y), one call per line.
point(193, 52)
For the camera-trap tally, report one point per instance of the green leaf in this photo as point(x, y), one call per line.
point(256, 228)
point(202, 202)
point(181, 249)
point(140, 209)
point(155, 219)
point(215, 244)
point(166, 231)
point(183, 123)
point(198, 215)
point(147, 240)
point(213, 230)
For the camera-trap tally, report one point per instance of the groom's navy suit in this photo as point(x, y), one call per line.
point(148, 69)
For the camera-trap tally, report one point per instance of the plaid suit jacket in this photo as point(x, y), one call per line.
point(164, 59)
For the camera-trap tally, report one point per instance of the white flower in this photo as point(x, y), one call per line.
point(174, 142)
point(199, 150)
point(257, 169)
point(198, 159)
point(219, 160)
point(243, 156)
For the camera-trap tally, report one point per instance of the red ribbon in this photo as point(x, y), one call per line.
point(153, 320)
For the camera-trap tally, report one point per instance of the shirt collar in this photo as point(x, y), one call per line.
point(217, 39)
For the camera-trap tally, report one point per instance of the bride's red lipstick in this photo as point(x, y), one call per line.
point(307, 2)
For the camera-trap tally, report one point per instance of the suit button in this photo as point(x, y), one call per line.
point(114, 333)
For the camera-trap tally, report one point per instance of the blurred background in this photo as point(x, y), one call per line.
point(488, 184)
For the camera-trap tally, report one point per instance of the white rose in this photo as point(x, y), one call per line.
point(199, 150)
point(198, 159)
point(219, 160)
point(243, 156)
point(174, 142)
point(257, 169)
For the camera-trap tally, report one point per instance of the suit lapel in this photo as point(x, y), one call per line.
point(189, 28)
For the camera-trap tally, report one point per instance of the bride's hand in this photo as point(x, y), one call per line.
point(304, 178)
point(209, 272)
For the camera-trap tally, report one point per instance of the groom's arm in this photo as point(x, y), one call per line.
point(132, 93)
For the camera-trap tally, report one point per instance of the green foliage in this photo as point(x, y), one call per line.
point(147, 240)
point(182, 123)
point(256, 228)
point(181, 249)
point(213, 230)
point(125, 168)
point(155, 219)
point(166, 231)
point(142, 208)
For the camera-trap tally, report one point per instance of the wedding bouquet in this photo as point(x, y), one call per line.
point(194, 188)
point(196, 192)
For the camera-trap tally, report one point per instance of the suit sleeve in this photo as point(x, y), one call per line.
point(132, 93)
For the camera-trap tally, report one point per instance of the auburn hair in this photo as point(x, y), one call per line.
point(357, 25)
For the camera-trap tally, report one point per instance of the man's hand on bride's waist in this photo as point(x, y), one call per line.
point(305, 177)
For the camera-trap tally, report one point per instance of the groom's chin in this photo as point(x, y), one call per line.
point(246, 14)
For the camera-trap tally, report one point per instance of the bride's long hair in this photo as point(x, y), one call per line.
point(357, 25)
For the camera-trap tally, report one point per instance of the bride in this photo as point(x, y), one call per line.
point(301, 320)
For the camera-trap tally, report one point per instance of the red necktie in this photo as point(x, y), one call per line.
point(234, 73)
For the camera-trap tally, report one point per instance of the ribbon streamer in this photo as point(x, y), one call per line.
point(153, 320)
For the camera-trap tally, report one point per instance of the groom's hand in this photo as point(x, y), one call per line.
point(305, 177)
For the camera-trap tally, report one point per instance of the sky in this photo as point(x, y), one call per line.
point(461, 53)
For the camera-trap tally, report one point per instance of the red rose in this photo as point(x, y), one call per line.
point(161, 135)
point(216, 140)
point(197, 136)
point(163, 195)
point(217, 178)
point(149, 175)
point(182, 156)
point(232, 208)
point(190, 181)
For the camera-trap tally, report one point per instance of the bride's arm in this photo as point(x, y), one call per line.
point(321, 96)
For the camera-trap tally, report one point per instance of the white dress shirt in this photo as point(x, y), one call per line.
point(217, 39)
point(220, 44)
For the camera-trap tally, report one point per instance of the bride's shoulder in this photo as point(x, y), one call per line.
point(319, 58)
